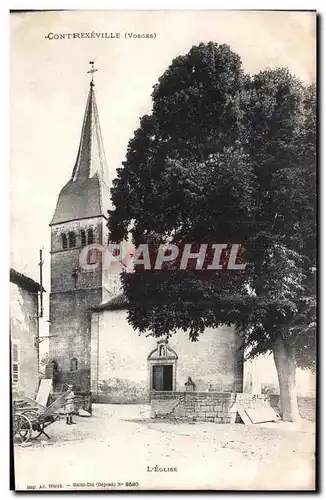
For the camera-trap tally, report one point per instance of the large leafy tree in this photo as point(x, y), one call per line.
point(226, 158)
point(281, 143)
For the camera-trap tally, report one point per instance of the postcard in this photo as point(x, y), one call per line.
point(163, 250)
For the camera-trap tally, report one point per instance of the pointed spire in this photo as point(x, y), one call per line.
point(91, 157)
point(87, 193)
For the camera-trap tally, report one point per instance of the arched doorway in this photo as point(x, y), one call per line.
point(162, 367)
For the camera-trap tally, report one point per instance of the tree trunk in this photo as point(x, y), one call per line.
point(285, 365)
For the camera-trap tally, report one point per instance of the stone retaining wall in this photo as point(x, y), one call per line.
point(307, 408)
point(306, 404)
point(195, 406)
point(217, 407)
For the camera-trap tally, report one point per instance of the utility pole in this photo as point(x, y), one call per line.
point(40, 308)
point(39, 313)
point(41, 262)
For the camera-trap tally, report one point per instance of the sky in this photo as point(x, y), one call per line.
point(49, 86)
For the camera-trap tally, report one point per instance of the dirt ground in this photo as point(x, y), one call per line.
point(119, 447)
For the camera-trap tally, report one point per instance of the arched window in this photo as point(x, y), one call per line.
point(90, 237)
point(73, 365)
point(64, 241)
point(72, 240)
point(83, 238)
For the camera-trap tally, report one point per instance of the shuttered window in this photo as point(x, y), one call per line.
point(15, 364)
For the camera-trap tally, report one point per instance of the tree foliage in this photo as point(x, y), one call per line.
point(224, 157)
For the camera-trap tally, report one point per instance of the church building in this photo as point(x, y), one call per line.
point(92, 345)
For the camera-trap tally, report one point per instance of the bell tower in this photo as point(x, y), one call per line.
point(79, 220)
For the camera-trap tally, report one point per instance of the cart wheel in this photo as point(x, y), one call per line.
point(22, 428)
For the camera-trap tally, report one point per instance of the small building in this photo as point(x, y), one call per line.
point(129, 367)
point(24, 344)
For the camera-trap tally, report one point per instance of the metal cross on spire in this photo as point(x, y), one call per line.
point(92, 71)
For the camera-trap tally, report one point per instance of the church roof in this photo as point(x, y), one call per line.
point(115, 303)
point(87, 193)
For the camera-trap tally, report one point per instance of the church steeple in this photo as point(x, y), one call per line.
point(91, 156)
point(87, 192)
point(80, 220)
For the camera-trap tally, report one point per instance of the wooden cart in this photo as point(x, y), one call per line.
point(30, 418)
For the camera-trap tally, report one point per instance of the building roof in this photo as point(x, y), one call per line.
point(117, 302)
point(24, 281)
point(87, 193)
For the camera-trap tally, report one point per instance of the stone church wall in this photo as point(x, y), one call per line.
point(70, 327)
point(74, 290)
point(121, 371)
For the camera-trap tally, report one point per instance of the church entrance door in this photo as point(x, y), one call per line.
point(162, 377)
